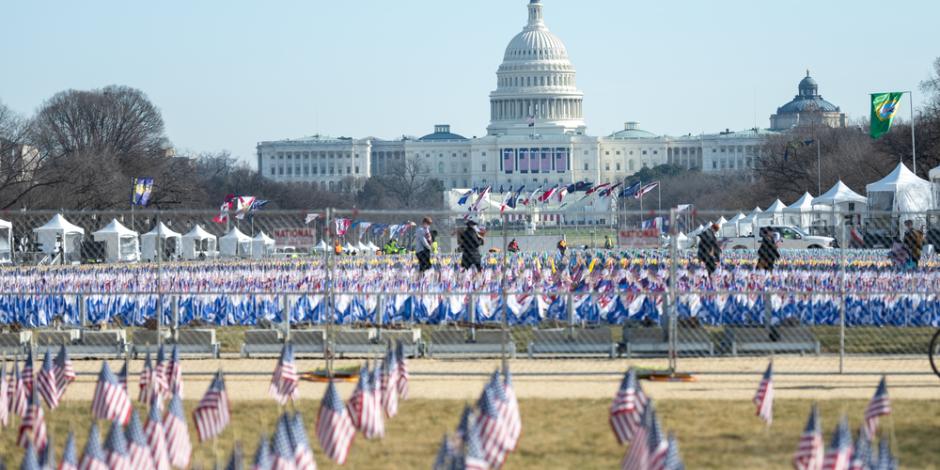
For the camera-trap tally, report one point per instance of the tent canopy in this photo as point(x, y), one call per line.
point(934, 174)
point(4, 224)
point(803, 204)
point(900, 191)
point(237, 235)
point(162, 231)
point(839, 194)
point(58, 224)
point(121, 243)
point(777, 206)
point(198, 233)
point(116, 228)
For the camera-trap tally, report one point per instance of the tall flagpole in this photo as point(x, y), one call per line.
point(913, 131)
point(659, 189)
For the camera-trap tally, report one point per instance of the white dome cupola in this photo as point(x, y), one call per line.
point(536, 90)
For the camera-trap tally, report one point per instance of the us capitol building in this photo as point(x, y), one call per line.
point(536, 135)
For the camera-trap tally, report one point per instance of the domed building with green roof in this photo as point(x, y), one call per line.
point(808, 108)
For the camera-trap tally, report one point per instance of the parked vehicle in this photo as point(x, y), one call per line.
point(790, 237)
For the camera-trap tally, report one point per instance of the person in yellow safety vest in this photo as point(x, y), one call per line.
point(338, 248)
point(435, 249)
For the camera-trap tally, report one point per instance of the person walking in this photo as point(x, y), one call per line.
point(608, 243)
point(767, 254)
point(913, 244)
point(513, 246)
point(435, 248)
point(709, 251)
point(423, 242)
point(562, 247)
point(470, 243)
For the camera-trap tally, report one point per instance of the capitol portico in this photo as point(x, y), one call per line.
point(536, 136)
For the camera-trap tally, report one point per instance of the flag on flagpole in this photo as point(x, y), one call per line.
point(20, 400)
point(402, 378)
point(284, 379)
point(311, 218)
point(335, 429)
point(33, 426)
point(764, 398)
point(179, 449)
point(64, 372)
point(138, 449)
point(115, 445)
point(839, 454)
point(93, 458)
point(174, 373)
point(638, 455)
point(47, 383)
point(161, 384)
point(492, 428)
point(884, 107)
point(627, 408)
point(880, 405)
point(28, 371)
point(515, 417)
point(810, 450)
point(156, 436)
point(147, 381)
point(389, 383)
point(212, 414)
point(110, 400)
point(630, 191)
point(143, 188)
point(645, 189)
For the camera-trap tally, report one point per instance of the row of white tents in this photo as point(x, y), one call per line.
point(122, 244)
point(902, 194)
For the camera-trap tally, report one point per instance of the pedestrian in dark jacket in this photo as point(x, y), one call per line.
point(767, 254)
point(913, 243)
point(470, 243)
point(709, 252)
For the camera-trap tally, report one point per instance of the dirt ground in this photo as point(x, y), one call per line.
point(814, 378)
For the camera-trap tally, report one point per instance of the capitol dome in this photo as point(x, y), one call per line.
point(807, 108)
point(536, 89)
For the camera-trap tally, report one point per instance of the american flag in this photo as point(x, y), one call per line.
point(33, 426)
point(389, 383)
point(365, 412)
point(5, 395)
point(69, 454)
point(93, 458)
point(283, 456)
point(515, 418)
point(46, 382)
point(764, 398)
point(627, 408)
point(335, 429)
point(156, 437)
point(673, 458)
point(376, 424)
point(880, 405)
point(809, 452)
point(122, 377)
point(658, 445)
point(30, 461)
point(886, 460)
point(474, 458)
point(638, 456)
point(147, 381)
point(463, 426)
point(839, 454)
point(161, 384)
point(178, 446)
point(303, 454)
point(138, 449)
point(27, 374)
point(213, 413)
point(262, 459)
point(64, 372)
point(236, 461)
point(492, 429)
point(446, 454)
point(110, 400)
point(501, 400)
point(116, 447)
point(47, 456)
point(174, 373)
point(19, 400)
point(862, 454)
point(284, 380)
point(402, 376)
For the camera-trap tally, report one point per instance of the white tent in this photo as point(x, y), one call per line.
point(235, 244)
point(363, 248)
point(803, 213)
point(198, 243)
point(6, 242)
point(841, 200)
point(372, 248)
point(901, 194)
point(262, 246)
point(774, 214)
point(730, 228)
point(161, 240)
point(59, 232)
point(747, 225)
point(350, 249)
point(121, 243)
point(322, 246)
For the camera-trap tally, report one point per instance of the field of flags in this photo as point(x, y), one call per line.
point(604, 287)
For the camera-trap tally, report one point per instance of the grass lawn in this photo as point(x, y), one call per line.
point(562, 433)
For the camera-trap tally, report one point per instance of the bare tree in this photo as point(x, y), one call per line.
point(19, 161)
point(411, 184)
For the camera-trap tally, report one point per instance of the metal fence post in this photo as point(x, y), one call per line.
point(671, 297)
point(175, 310)
point(472, 315)
point(504, 343)
point(328, 297)
point(842, 293)
point(82, 312)
point(285, 320)
point(160, 321)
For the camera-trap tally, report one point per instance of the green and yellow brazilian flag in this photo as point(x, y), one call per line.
point(884, 106)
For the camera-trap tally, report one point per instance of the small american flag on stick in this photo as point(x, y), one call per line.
point(213, 413)
point(335, 429)
point(880, 405)
point(284, 380)
point(110, 400)
point(764, 398)
point(627, 408)
point(809, 452)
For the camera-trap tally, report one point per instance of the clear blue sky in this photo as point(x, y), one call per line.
point(229, 74)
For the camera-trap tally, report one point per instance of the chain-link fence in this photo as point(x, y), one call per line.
point(822, 290)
